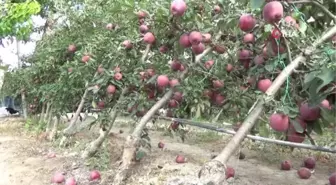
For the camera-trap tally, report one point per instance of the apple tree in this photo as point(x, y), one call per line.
point(211, 59)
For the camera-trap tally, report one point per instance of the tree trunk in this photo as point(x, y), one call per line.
point(43, 112)
point(132, 142)
point(95, 145)
point(49, 119)
point(70, 129)
point(24, 105)
point(212, 172)
point(45, 118)
point(53, 132)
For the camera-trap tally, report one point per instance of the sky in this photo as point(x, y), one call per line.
point(8, 54)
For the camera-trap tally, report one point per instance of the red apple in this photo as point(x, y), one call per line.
point(111, 89)
point(85, 58)
point(208, 64)
point(162, 81)
point(117, 76)
point(178, 7)
point(149, 38)
point(127, 44)
point(72, 48)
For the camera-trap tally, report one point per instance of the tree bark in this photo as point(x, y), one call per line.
point(45, 118)
point(70, 129)
point(49, 119)
point(93, 147)
point(24, 105)
point(43, 112)
point(53, 132)
point(211, 172)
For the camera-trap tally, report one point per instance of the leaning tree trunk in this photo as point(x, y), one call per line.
point(93, 147)
point(213, 172)
point(132, 142)
point(70, 129)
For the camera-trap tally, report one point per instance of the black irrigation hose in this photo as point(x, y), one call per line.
point(258, 138)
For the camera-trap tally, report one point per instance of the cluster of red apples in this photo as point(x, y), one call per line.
point(194, 40)
point(308, 115)
point(307, 169)
point(273, 12)
point(59, 178)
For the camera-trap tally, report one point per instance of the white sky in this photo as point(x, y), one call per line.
point(8, 54)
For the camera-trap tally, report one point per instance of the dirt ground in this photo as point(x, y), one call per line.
point(24, 159)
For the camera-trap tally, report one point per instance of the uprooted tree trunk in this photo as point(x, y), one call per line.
point(213, 172)
point(132, 142)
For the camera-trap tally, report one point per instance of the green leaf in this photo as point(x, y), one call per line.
point(327, 76)
point(100, 81)
point(328, 115)
point(303, 27)
point(309, 77)
point(255, 4)
point(297, 126)
point(324, 123)
point(268, 28)
point(94, 105)
point(285, 110)
point(317, 128)
point(263, 130)
point(140, 154)
point(269, 67)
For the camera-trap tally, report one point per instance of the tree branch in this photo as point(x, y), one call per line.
point(310, 138)
point(286, 44)
point(324, 9)
point(272, 90)
point(145, 54)
point(165, 98)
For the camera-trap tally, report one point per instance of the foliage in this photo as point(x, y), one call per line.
point(59, 76)
point(15, 19)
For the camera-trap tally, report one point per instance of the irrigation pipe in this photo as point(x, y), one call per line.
point(258, 138)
